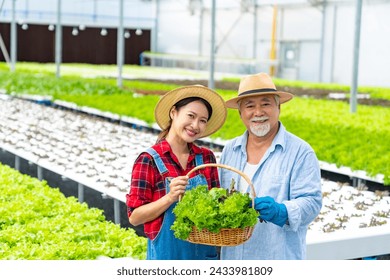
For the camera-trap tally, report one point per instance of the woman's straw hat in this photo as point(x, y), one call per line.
point(165, 104)
point(256, 85)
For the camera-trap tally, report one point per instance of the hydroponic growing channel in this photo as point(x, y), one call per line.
point(99, 152)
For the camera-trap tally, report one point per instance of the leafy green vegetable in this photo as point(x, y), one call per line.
point(37, 222)
point(212, 210)
point(217, 193)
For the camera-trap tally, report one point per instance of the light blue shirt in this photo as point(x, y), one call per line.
point(289, 172)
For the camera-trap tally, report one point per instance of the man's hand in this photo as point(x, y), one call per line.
point(271, 211)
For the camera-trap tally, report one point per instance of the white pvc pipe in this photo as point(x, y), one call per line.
point(349, 244)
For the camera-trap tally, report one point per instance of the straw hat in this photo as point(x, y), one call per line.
point(256, 85)
point(165, 104)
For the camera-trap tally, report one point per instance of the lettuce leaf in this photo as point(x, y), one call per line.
point(212, 210)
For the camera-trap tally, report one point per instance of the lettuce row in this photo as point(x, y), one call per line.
point(37, 222)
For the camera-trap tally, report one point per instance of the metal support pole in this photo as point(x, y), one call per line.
point(212, 47)
point(13, 37)
point(94, 16)
point(39, 173)
point(254, 55)
point(200, 37)
point(119, 47)
point(58, 40)
point(117, 213)
point(353, 98)
point(3, 49)
point(17, 163)
point(155, 30)
point(333, 43)
point(272, 70)
point(354, 182)
point(321, 66)
point(80, 192)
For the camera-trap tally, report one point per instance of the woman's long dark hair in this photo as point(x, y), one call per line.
point(177, 106)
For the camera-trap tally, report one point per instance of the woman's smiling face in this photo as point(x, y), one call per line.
point(190, 121)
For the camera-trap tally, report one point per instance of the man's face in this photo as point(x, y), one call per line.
point(260, 114)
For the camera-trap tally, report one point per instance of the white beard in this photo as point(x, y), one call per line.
point(260, 130)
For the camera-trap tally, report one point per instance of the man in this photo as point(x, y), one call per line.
point(284, 171)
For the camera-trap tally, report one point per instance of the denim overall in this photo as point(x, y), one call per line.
point(165, 246)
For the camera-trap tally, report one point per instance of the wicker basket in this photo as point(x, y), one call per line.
point(226, 236)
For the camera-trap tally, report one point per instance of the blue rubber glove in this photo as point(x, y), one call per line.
point(271, 211)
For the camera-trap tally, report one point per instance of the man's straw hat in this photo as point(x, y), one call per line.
point(165, 104)
point(256, 85)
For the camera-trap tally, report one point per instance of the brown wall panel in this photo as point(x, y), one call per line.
point(37, 44)
point(89, 46)
point(5, 30)
point(135, 45)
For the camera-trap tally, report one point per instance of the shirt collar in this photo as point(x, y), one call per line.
point(280, 138)
point(166, 148)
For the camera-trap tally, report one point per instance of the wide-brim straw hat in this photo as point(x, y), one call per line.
point(165, 104)
point(256, 85)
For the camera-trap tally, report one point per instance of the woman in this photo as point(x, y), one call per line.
point(159, 176)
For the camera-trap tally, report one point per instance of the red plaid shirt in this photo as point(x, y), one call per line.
point(147, 184)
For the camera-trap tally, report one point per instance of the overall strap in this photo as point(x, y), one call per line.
point(198, 159)
point(157, 159)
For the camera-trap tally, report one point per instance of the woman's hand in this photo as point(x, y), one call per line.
point(177, 187)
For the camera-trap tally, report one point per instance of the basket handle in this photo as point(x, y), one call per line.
point(247, 179)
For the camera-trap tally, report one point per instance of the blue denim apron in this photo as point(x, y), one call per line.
point(166, 246)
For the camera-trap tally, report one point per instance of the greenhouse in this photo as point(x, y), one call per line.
point(79, 81)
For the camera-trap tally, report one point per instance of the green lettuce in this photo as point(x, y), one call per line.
point(212, 210)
